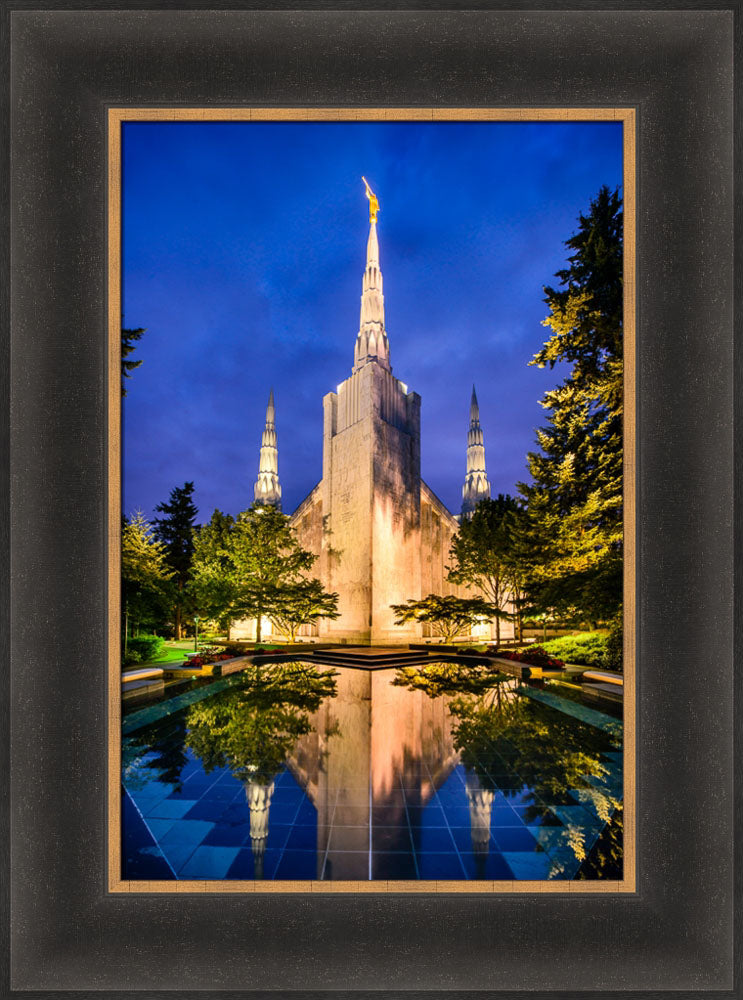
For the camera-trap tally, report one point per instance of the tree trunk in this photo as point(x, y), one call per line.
point(258, 626)
point(520, 616)
point(177, 627)
point(495, 583)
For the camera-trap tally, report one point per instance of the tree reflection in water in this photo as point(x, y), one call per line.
point(526, 751)
point(251, 730)
point(165, 755)
point(605, 857)
point(514, 751)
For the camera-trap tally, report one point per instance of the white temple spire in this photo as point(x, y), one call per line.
point(267, 488)
point(476, 486)
point(371, 341)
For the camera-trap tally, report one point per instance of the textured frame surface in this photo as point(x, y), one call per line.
point(676, 934)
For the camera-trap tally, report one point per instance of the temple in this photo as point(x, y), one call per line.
point(380, 534)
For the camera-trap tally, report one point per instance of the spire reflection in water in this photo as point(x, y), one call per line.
point(447, 771)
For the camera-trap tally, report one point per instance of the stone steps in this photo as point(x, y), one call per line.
point(370, 657)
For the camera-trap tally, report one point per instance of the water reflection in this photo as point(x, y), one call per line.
point(480, 798)
point(390, 751)
point(156, 754)
point(536, 758)
point(444, 771)
point(252, 730)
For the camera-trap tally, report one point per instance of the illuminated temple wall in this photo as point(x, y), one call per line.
point(380, 535)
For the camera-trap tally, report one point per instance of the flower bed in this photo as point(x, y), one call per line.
point(534, 657)
point(205, 658)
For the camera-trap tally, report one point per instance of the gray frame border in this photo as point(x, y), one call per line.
point(66, 933)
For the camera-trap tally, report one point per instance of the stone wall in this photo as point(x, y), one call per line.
point(370, 504)
point(438, 528)
point(396, 532)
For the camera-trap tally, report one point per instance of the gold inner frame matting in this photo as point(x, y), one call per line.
point(116, 117)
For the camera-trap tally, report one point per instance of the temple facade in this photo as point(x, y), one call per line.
point(380, 534)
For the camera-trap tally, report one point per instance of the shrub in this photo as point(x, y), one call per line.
point(237, 648)
point(535, 656)
point(588, 649)
point(207, 656)
point(149, 647)
point(131, 657)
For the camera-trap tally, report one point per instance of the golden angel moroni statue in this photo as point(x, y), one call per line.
point(373, 201)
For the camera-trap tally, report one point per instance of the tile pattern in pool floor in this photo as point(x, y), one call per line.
point(491, 827)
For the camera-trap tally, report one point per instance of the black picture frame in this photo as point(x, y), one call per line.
point(66, 66)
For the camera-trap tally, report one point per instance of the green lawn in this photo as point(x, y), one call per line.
point(174, 652)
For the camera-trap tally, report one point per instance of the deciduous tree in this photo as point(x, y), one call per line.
point(482, 553)
point(213, 586)
point(242, 567)
point(448, 616)
point(292, 605)
point(145, 574)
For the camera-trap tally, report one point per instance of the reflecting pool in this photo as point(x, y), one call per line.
point(446, 771)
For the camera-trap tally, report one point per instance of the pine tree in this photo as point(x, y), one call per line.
point(128, 341)
point(176, 533)
point(575, 497)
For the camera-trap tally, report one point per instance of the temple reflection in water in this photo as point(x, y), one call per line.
point(376, 752)
point(446, 772)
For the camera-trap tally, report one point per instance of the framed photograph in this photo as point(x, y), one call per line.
point(341, 649)
point(362, 603)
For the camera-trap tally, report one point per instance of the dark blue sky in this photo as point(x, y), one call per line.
point(244, 249)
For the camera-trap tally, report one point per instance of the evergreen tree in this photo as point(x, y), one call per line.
point(575, 497)
point(128, 346)
point(175, 531)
